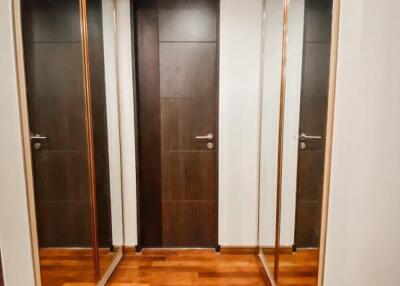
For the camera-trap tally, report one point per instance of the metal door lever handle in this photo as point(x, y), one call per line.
point(38, 137)
point(304, 136)
point(206, 137)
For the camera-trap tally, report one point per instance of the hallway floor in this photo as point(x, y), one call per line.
point(188, 267)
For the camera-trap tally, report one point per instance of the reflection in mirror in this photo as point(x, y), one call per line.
point(104, 88)
point(306, 102)
point(272, 46)
point(57, 118)
point(66, 210)
point(295, 100)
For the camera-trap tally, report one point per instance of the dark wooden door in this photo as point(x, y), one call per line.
point(176, 60)
point(53, 59)
point(313, 108)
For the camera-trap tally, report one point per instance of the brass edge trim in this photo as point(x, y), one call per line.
point(329, 138)
point(89, 135)
point(114, 263)
point(260, 114)
point(24, 121)
point(280, 137)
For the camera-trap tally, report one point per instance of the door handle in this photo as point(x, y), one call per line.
point(209, 136)
point(37, 137)
point(304, 136)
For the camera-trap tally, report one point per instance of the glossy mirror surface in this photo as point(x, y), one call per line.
point(307, 89)
point(271, 80)
point(104, 87)
point(57, 117)
point(73, 121)
point(295, 93)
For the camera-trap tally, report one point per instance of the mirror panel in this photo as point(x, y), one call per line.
point(57, 117)
point(306, 103)
point(66, 210)
point(295, 115)
point(272, 46)
point(104, 87)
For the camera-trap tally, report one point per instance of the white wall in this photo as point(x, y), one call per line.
point(270, 119)
point(111, 85)
point(240, 53)
point(14, 222)
point(292, 120)
point(364, 212)
point(127, 120)
point(269, 125)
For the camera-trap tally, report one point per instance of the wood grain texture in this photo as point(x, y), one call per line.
point(148, 109)
point(191, 267)
point(53, 64)
point(177, 101)
point(182, 20)
point(239, 250)
point(99, 116)
point(188, 69)
point(189, 224)
point(161, 267)
point(313, 116)
point(296, 268)
point(60, 267)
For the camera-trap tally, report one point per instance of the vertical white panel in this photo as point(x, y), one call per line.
point(111, 85)
point(292, 120)
point(127, 119)
point(363, 223)
point(270, 118)
point(240, 47)
point(14, 220)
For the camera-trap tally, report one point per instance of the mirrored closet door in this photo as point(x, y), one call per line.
point(72, 94)
point(293, 137)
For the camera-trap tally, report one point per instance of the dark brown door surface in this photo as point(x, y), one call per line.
point(313, 108)
point(53, 59)
point(176, 61)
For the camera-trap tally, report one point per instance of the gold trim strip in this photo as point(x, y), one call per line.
point(89, 135)
point(280, 138)
point(329, 138)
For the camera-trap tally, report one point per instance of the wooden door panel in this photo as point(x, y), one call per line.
point(182, 20)
point(51, 21)
point(315, 88)
point(148, 121)
point(64, 133)
point(55, 69)
point(184, 119)
point(313, 108)
point(63, 224)
point(189, 176)
point(308, 222)
point(188, 69)
point(176, 53)
point(54, 76)
point(309, 176)
point(61, 176)
point(189, 224)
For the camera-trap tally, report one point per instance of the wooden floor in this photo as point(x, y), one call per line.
point(157, 267)
point(62, 267)
point(297, 268)
point(188, 267)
